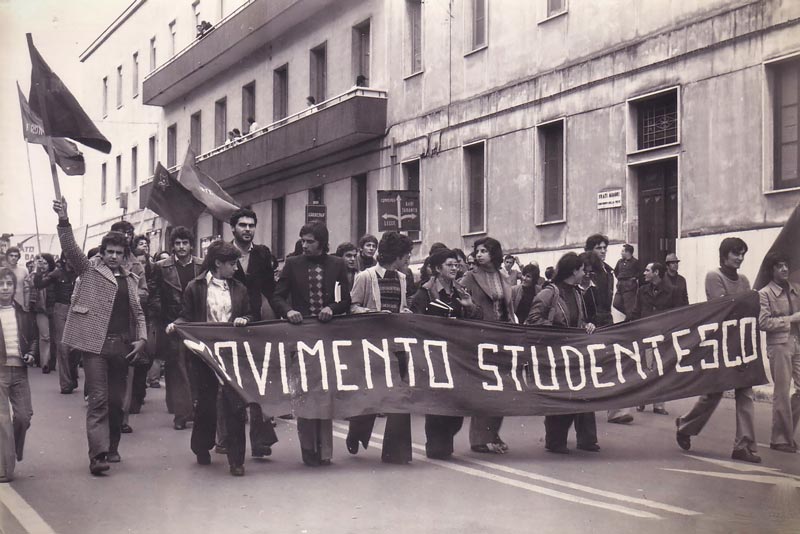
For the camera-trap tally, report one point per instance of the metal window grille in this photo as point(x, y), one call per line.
point(658, 121)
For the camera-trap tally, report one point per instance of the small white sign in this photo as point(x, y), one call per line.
point(609, 199)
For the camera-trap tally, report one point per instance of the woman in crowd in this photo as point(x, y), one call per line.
point(41, 302)
point(560, 303)
point(522, 294)
point(492, 294)
point(382, 288)
point(443, 296)
point(216, 297)
point(780, 319)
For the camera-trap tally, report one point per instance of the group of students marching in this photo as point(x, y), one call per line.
point(122, 312)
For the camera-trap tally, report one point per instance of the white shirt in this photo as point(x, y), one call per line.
point(8, 320)
point(244, 260)
point(218, 300)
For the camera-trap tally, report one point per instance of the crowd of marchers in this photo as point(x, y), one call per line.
point(113, 311)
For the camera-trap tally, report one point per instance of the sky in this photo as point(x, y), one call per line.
point(61, 29)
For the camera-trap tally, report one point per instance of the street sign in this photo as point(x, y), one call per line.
point(316, 213)
point(398, 211)
point(609, 199)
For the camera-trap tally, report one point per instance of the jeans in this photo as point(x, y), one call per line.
point(43, 325)
point(105, 385)
point(179, 392)
point(67, 360)
point(16, 393)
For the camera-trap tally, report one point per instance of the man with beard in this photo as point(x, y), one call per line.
point(254, 270)
point(307, 287)
point(170, 278)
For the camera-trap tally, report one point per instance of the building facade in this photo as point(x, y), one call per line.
point(668, 124)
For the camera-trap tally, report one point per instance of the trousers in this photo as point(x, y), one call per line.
point(105, 386)
point(784, 362)
point(694, 421)
point(15, 397)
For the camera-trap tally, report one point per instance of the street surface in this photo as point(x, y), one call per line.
point(640, 481)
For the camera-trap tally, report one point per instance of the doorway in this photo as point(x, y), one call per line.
point(658, 209)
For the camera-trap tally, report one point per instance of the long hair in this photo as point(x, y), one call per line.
point(320, 233)
point(566, 266)
point(731, 244)
point(393, 245)
point(493, 246)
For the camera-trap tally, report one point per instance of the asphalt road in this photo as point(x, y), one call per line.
point(640, 482)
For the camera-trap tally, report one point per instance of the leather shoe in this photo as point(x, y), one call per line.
point(126, 428)
point(684, 440)
point(179, 425)
point(660, 411)
point(352, 444)
point(557, 450)
point(113, 457)
point(591, 447)
point(783, 447)
point(46, 369)
point(262, 452)
point(221, 449)
point(98, 465)
point(237, 470)
point(622, 419)
point(204, 458)
point(67, 391)
point(640, 408)
point(746, 455)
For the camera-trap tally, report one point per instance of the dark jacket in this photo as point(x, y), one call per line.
point(259, 279)
point(194, 308)
point(652, 299)
point(430, 291)
point(24, 334)
point(604, 292)
point(165, 290)
point(550, 308)
point(679, 291)
point(293, 286)
point(59, 282)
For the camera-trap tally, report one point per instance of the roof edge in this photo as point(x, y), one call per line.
point(130, 10)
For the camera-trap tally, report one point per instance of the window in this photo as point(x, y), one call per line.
point(135, 75)
point(279, 227)
point(475, 168)
point(195, 137)
point(151, 155)
point(319, 73)
point(786, 107)
point(103, 183)
point(172, 33)
point(556, 7)
point(656, 119)
point(414, 35)
point(152, 54)
point(361, 54)
point(220, 121)
point(411, 179)
point(316, 196)
point(119, 86)
point(478, 22)
point(280, 93)
point(359, 207)
point(196, 11)
point(172, 146)
point(134, 168)
point(118, 176)
point(551, 157)
point(105, 96)
point(248, 105)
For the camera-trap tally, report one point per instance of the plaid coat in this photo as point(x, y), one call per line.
point(90, 312)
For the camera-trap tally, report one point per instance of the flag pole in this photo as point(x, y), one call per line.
point(46, 124)
point(33, 197)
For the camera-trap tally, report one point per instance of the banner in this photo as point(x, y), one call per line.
point(170, 199)
point(207, 191)
point(384, 363)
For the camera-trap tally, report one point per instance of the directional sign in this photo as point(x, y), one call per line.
point(398, 211)
point(316, 213)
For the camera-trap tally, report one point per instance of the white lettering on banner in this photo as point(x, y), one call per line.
point(680, 352)
point(654, 341)
point(703, 330)
point(284, 374)
point(595, 370)
point(537, 378)
point(514, 349)
point(225, 345)
point(728, 363)
point(338, 366)
point(427, 344)
point(492, 368)
point(318, 349)
point(743, 331)
point(633, 355)
point(581, 367)
point(383, 352)
point(260, 377)
point(407, 342)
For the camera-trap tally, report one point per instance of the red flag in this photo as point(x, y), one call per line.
point(66, 153)
point(205, 189)
point(787, 242)
point(172, 201)
point(62, 115)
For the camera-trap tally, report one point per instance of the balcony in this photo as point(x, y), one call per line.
point(232, 39)
point(340, 123)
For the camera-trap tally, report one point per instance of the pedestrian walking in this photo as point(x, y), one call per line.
point(627, 271)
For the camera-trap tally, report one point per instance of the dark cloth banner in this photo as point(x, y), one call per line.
point(387, 363)
point(787, 242)
point(171, 200)
point(205, 189)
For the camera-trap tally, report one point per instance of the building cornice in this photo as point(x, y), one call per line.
point(130, 10)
